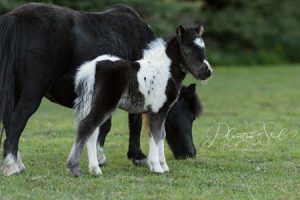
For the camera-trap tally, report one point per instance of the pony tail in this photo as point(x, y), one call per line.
point(10, 39)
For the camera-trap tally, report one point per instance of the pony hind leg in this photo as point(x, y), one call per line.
point(104, 130)
point(88, 131)
point(92, 153)
point(26, 106)
point(105, 100)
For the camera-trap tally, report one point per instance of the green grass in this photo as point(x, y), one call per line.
point(242, 164)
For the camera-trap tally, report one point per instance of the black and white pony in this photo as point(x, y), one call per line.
point(151, 85)
point(178, 125)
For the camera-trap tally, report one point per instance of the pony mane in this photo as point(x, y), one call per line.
point(155, 51)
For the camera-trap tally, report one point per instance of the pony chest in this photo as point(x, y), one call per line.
point(152, 82)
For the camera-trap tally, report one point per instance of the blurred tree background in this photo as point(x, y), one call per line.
point(236, 31)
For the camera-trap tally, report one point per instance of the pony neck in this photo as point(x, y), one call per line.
point(173, 52)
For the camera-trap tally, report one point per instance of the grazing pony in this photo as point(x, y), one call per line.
point(41, 47)
point(178, 126)
point(151, 85)
point(179, 123)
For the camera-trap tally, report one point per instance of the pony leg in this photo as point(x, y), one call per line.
point(161, 152)
point(134, 150)
point(26, 106)
point(87, 131)
point(104, 130)
point(156, 150)
point(92, 153)
point(100, 155)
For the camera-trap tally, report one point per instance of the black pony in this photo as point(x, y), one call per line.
point(178, 125)
point(151, 85)
point(42, 45)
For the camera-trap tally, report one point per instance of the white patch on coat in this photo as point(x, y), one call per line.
point(154, 74)
point(20, 163)
point(10, 165)
point(85, 80)
point(208, 65)
point(199, 42)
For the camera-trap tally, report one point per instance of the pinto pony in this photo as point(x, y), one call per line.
point(151, 85)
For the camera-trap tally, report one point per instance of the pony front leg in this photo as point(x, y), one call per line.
point(153, 157)
point(156, 157)
point(161, 152)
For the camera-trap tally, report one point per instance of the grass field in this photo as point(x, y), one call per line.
point(248, 147)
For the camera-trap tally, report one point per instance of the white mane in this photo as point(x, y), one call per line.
point(155, 51)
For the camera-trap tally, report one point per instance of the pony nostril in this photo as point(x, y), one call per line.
point(207, 72)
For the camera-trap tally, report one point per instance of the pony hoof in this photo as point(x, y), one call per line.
point(156, 168)
point(77, 173)
point(10, 170)
point(100, 155)
point(164, 167)
point(20, 163)
point(95, 171)
point(140, 162)
point(101, 160)
point(75, 170)
point(21, 167)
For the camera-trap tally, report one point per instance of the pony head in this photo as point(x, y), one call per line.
point(192, 50)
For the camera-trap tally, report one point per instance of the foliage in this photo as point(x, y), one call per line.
point(245, 32)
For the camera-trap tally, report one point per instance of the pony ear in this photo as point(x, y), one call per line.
point(190, 90)
point(179, 32)
point(199, 29)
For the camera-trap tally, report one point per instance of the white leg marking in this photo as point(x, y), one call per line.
point(92, 153)
point(162, 158)
point(10, 166)
point(20, 163)
point(100, 155)
point(153, 157)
